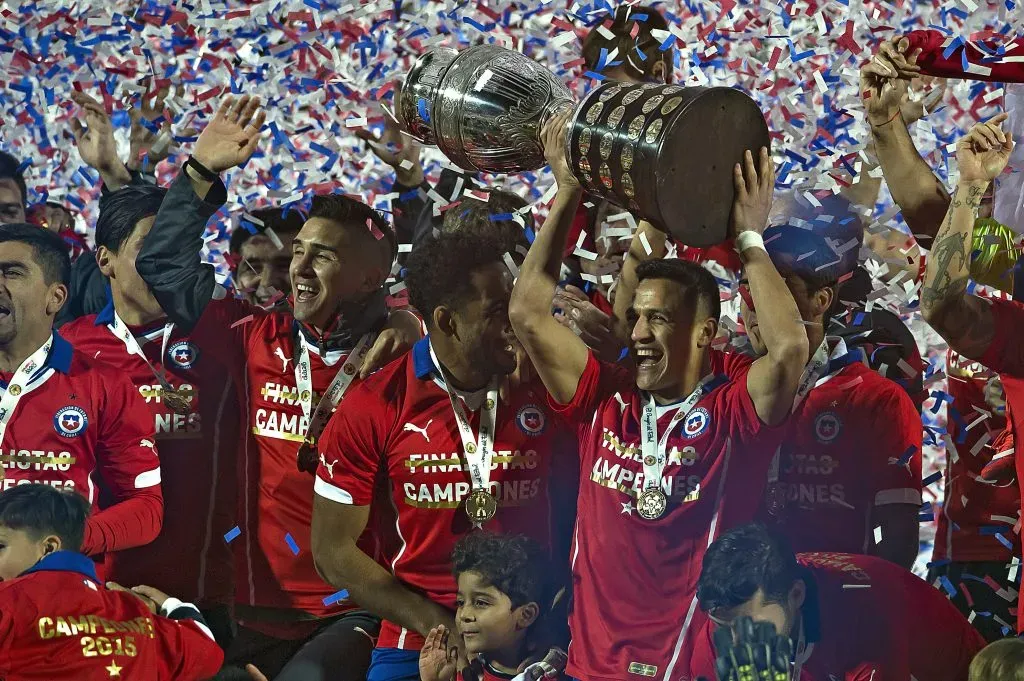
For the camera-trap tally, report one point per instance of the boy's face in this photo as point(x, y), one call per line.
point(486, 619)
point(19, 551)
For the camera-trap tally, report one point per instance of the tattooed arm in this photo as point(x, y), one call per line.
point(964, 320)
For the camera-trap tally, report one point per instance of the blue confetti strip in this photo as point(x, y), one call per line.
point(232, 534)
point(934, 477)
point(335, 597)
point(291, 544)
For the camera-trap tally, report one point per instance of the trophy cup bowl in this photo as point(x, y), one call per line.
point(664, 152)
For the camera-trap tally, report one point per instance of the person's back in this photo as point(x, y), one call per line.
point(58, 622)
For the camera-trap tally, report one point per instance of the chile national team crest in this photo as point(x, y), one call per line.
point(531, 421)
point(696, 422)
point(70, 421)
point(827, 427)
point(183, 354)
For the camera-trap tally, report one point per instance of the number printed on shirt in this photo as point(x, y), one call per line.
point(95, 646)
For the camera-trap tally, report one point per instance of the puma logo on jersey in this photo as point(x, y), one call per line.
point(411, 427)
point(328, 466)
point(148, 443)
point(279, 353)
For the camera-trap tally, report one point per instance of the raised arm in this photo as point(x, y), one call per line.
point(773, 379)
point(96, 145)
point(558, 355)
point(648, 244)
point(169, 261)
point(964, 320)
point(916, 190)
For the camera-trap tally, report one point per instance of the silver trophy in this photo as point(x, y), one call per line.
point(664, 152)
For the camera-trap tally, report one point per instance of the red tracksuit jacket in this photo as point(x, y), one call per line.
point(58, 622)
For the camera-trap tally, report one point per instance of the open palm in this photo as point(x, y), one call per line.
point(437, 662)
point(984, 151)
point(95, 139)
point(231, 138)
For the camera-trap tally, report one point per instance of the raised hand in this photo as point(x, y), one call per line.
point(752, 650)
point(399, 151)
point(95, 139)
point(582, 317)
point(553, 139)
point(884, 80)
point(984, 151)
point(755, 187)
point(231, 138)
point(437, 660)
point(144, 140)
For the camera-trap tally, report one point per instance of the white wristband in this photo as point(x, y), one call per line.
point(749, 240)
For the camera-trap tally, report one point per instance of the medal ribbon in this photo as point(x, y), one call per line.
point(652, 449)
point(124, 334)
point(335, 391)
point(479, 450)
point(22, 377)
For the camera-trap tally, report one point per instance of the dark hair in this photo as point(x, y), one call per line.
point(515, 565)
point(1001, 660)
point(121, 210)
point(743, 560)
point(473, 216)
point(41, 510)
point(49, 248)
point(621, 26)
point(816, 282)
point(697, 283)
point(357, 216)
point(281, 219)
point(439, 271)
point(9, 170)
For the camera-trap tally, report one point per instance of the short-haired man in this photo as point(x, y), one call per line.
point(671, 455)
point(58, 620)
point(453, 454)
point(193, 404)
point(295, 368)
point(261, 251)
point(13, 192)
point(66, 420)
point(850, 616)
point(847, 477)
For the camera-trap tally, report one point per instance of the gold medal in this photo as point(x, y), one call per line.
point(308, 459)
point(652, 504)
point(481, 506)
point(176, 400)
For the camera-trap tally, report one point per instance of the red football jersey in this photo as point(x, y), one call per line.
point(866, 619)
point(399, 425)
point(273, 561)
point(970, 504)
point(190, 558)
point(635, 580)
point(81, 425)
point(1005, 355)
point(854, 443)
point(57, 621)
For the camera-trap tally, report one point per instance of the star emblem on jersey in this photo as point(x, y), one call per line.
point(70, 421)
point(627, 508)
point(114, 670)
point(696, 422)
point(183, 354)
point(530, 420)
point(827, 427)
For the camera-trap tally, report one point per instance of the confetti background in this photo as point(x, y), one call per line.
point(324, 68)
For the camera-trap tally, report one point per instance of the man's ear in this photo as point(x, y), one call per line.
point(526, 615)
point(57, 296)
point(51, 544)
point(104, 258)
point(823, 299)
point(660, 72)
point(708, 332)
point(444, 321)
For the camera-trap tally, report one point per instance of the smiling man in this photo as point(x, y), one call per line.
point(264, 255)
point(671, 455)
point(295, 369)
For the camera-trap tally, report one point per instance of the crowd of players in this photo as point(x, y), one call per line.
point(552, 440)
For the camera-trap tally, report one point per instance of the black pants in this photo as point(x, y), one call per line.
point(218, 618)
point(988, 606)
point(338, 651)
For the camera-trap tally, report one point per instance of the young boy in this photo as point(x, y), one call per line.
point(504, 584)
point(57, 621)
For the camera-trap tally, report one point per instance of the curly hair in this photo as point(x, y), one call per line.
point(515, 565)
point(622, 22)
point(742, 561)
point(438, 273)
point(473, 216)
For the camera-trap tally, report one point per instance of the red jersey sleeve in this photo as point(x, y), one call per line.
point(188, 651)
point(599, 380)
point(1006, 354)
point(897, 429)
point(351, 448)
point(129, 468)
